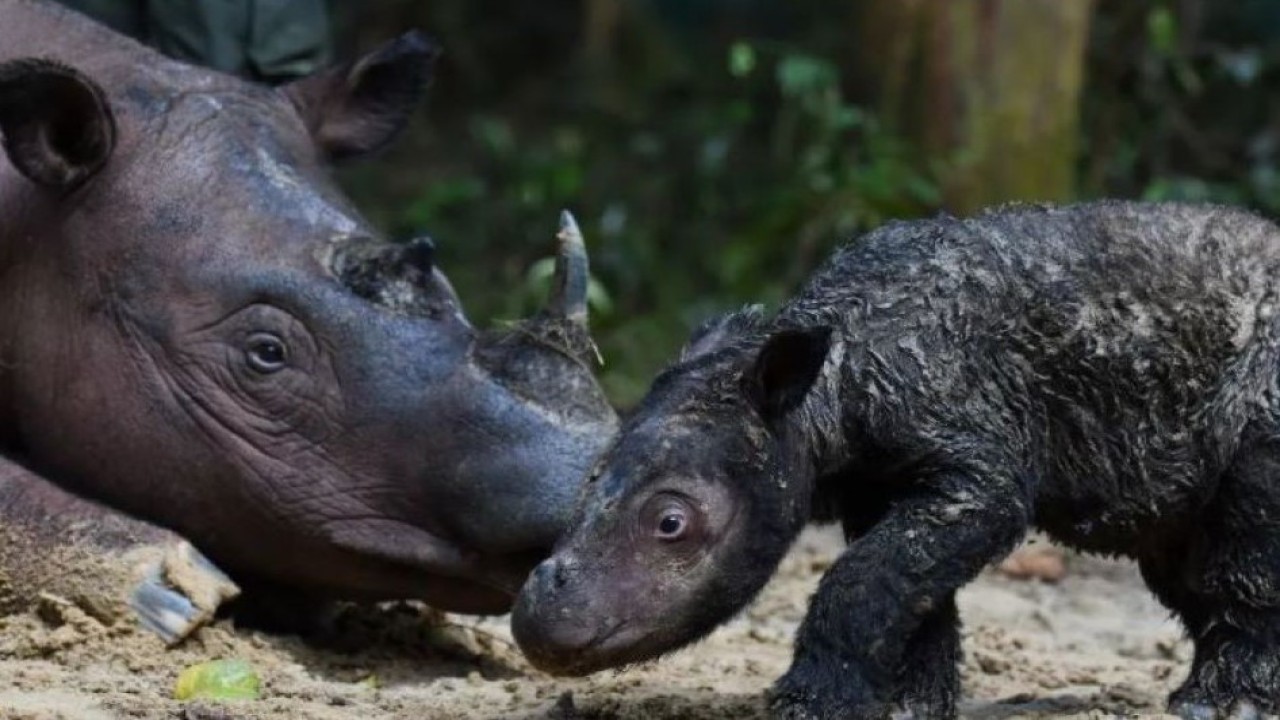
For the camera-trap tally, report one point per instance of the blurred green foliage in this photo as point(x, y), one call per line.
point(718, 175)
point(1182, 102)
point(714, 151)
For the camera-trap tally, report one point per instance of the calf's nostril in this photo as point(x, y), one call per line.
point(560, 576)
point(553, 574)
point(542, 573)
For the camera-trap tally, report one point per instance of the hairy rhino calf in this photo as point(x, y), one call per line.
point(198, 332)
point(1106, 372)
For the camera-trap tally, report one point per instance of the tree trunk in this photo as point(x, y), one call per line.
point(989, 89)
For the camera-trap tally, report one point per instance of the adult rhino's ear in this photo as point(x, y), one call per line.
point(785, 369)
point(56, 123)
point(358, 107)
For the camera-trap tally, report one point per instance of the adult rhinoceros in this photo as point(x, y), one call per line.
point(199, 333)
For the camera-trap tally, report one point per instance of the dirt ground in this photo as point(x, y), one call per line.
point(1094, 645)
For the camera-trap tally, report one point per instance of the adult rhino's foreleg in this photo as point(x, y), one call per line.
point(53, 543)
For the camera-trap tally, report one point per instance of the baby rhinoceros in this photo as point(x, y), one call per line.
point(1106, 372)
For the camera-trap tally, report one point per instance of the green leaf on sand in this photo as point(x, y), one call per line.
point(218, 680)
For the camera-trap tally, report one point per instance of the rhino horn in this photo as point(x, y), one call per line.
point(569, 285)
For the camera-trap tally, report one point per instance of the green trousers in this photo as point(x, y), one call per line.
point(267, 40)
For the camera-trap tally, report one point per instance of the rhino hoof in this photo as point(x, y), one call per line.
point(180, 593)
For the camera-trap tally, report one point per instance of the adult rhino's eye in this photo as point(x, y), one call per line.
point(266, 353)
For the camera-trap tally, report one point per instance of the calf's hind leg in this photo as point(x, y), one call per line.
point(1225, 586)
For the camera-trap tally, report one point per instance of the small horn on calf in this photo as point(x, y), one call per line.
point(572, 275)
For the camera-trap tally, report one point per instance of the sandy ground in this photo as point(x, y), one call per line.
point(1094, 645)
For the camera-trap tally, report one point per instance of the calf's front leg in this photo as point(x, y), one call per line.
point(53, 543)
point(851, 655)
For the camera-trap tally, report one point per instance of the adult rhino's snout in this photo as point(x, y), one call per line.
point(524, 494)
point(546, 419)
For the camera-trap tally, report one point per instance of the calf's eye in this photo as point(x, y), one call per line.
point(671, 518)
point(672, 525)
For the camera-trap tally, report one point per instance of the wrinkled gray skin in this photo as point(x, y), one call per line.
point(1106, 372)
point(198, 331)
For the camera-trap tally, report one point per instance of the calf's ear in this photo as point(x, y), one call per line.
point(720, 331)
point(785, 369)
point(56, 123)
point(358, 107)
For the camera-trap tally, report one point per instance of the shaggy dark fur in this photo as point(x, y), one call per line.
point(1105, 372)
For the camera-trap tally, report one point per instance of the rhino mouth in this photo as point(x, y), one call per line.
point(403, 544)
point(614, 643)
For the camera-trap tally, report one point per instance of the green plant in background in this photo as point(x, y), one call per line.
point(728, 197)
point(843, 170)
point(1185, 110)
point(713, 162)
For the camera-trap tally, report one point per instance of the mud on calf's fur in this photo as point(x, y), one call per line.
point(1106, 372)
point(201, 339)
